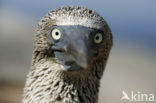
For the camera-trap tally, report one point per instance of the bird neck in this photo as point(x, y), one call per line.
point(48, 83)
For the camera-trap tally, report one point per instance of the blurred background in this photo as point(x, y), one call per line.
point(132, 62)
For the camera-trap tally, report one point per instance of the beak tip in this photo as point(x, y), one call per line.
point(83, 64)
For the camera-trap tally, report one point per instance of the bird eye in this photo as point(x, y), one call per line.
point(98, 38)
point(56, 34)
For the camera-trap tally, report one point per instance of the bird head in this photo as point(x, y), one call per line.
point(75, 36)
point(75, 46)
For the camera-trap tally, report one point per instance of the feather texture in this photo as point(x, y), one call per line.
point(47, 82)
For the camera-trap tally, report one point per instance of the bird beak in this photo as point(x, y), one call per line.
point(75, 51)
point(78, 49)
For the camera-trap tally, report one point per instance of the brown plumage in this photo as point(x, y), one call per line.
point(47, 81)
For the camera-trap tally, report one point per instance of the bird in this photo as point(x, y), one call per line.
point(71, 48)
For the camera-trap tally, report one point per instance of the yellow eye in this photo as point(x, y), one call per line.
point(56, 34)
point(98, 38)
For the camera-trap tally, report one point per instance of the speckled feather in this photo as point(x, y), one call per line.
point(46, 81)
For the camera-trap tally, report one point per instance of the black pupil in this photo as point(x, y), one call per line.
point(56, 33)
point(97, 37)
